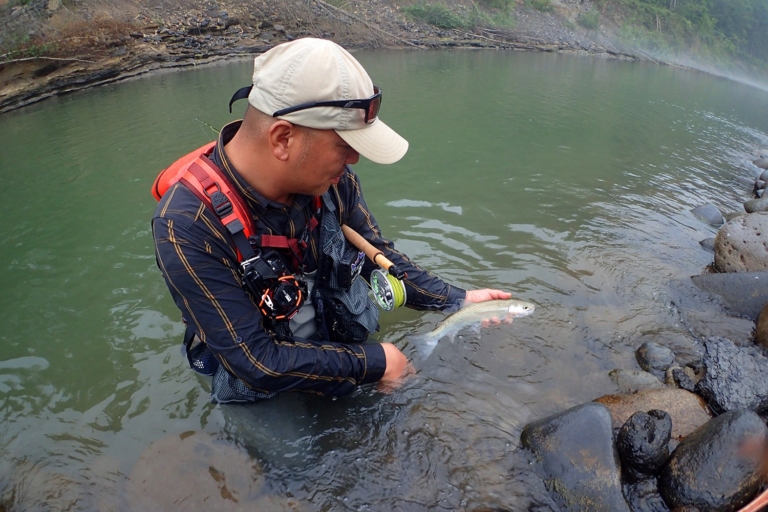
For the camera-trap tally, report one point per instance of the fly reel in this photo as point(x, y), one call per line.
point(388, 291)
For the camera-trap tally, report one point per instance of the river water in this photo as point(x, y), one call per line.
point(566, 180)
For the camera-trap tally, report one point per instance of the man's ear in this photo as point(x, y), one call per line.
point(282, 139)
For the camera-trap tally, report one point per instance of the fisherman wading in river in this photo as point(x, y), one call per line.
point(248, 235)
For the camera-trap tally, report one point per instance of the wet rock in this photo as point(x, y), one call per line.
point(193, 468)
point(761, 163)
point(759, 193)
point(654, 358)
point(761, 328)
point(578, 457)
point(756, 205)
point(709, 214)
point(687, 410)
point(735, 376)
point(742, 244)
point(643, 496)
point(745, 181)
point(759, 183)
point(744, 293)
point(629, 381)
point(643, 443)
point(763, 176)
point(708, 244)
point(717, 467)
point(683, 378)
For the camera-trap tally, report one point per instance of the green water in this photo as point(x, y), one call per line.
point(566, 180)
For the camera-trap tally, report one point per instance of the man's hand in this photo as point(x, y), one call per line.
point(486, 294)
point(398, 368)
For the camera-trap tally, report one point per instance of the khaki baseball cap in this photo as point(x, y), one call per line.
point(316, 70)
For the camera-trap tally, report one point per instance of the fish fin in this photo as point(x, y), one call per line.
point(424, 343)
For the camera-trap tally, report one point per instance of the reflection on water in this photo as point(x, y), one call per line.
point(566, 180)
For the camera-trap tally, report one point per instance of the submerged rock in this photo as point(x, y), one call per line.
point(709, 214)
point(654, 358)
point(578, 458)
point(634, 380)
point(687, 410)
point(735, 376)
point(643, 443)
point(741, 245)
point(717, 467)
point(744, 293)
point(708, 243)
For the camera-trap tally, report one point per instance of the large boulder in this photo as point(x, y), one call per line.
point(687, 410)
point(735, 376)
point(717, 467)
point(643, 443)
point(578, 458)
point(741, 245)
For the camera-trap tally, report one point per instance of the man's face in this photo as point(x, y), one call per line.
point(321, 163)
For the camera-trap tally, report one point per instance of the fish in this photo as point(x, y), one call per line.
point(472, 313)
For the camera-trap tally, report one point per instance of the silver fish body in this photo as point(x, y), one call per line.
point(471, 314)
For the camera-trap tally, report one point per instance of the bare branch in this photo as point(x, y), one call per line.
point(14, 61)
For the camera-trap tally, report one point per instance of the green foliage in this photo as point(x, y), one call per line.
point(438, 15)
point(496, 4)
point(589, 20)
point(542, 5)
point(714, 28)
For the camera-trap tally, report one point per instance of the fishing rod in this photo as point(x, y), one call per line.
point(388, 288)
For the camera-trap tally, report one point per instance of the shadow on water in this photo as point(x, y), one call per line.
point(566, 180)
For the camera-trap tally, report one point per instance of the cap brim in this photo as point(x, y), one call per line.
point(377, 142)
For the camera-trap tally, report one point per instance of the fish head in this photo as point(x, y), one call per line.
point(520, 308)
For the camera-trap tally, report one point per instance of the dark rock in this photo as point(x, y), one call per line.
point(643, 441)
point(735, 376)
point(681, 379)
point(654, 358)
point(708, 244)
point(688, 411)
point(756, 205)
point(709, 214)
point(643, 496)
point(577, 455)
point(717, 467)
point(744, 293)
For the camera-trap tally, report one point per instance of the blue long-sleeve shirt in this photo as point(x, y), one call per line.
point(200, 267)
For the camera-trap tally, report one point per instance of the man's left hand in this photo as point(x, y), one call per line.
point(486, 294)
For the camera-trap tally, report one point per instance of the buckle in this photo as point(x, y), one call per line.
point(220, 203)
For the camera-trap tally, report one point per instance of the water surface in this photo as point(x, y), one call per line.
point(567, 180)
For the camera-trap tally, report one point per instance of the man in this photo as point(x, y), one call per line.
point(277, 304)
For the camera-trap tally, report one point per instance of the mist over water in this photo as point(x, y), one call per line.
point(566, 180)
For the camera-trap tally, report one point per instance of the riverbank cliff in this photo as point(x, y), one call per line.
point(51, 48)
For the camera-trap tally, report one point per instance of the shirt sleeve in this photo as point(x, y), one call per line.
point(201, 271)
point(424, 290)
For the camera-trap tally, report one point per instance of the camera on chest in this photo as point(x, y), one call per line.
point(279, 294)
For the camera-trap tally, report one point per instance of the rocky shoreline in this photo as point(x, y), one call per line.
point(687, 432)
point(198, 34)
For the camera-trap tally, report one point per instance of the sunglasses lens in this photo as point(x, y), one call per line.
point(373, 110)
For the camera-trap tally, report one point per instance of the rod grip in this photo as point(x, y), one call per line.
point(364, 245)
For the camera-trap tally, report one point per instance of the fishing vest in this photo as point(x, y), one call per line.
point(343, 310)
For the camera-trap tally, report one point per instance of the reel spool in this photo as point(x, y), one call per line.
point(388, 291)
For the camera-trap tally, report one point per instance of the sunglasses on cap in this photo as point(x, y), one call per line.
point(370, 105)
